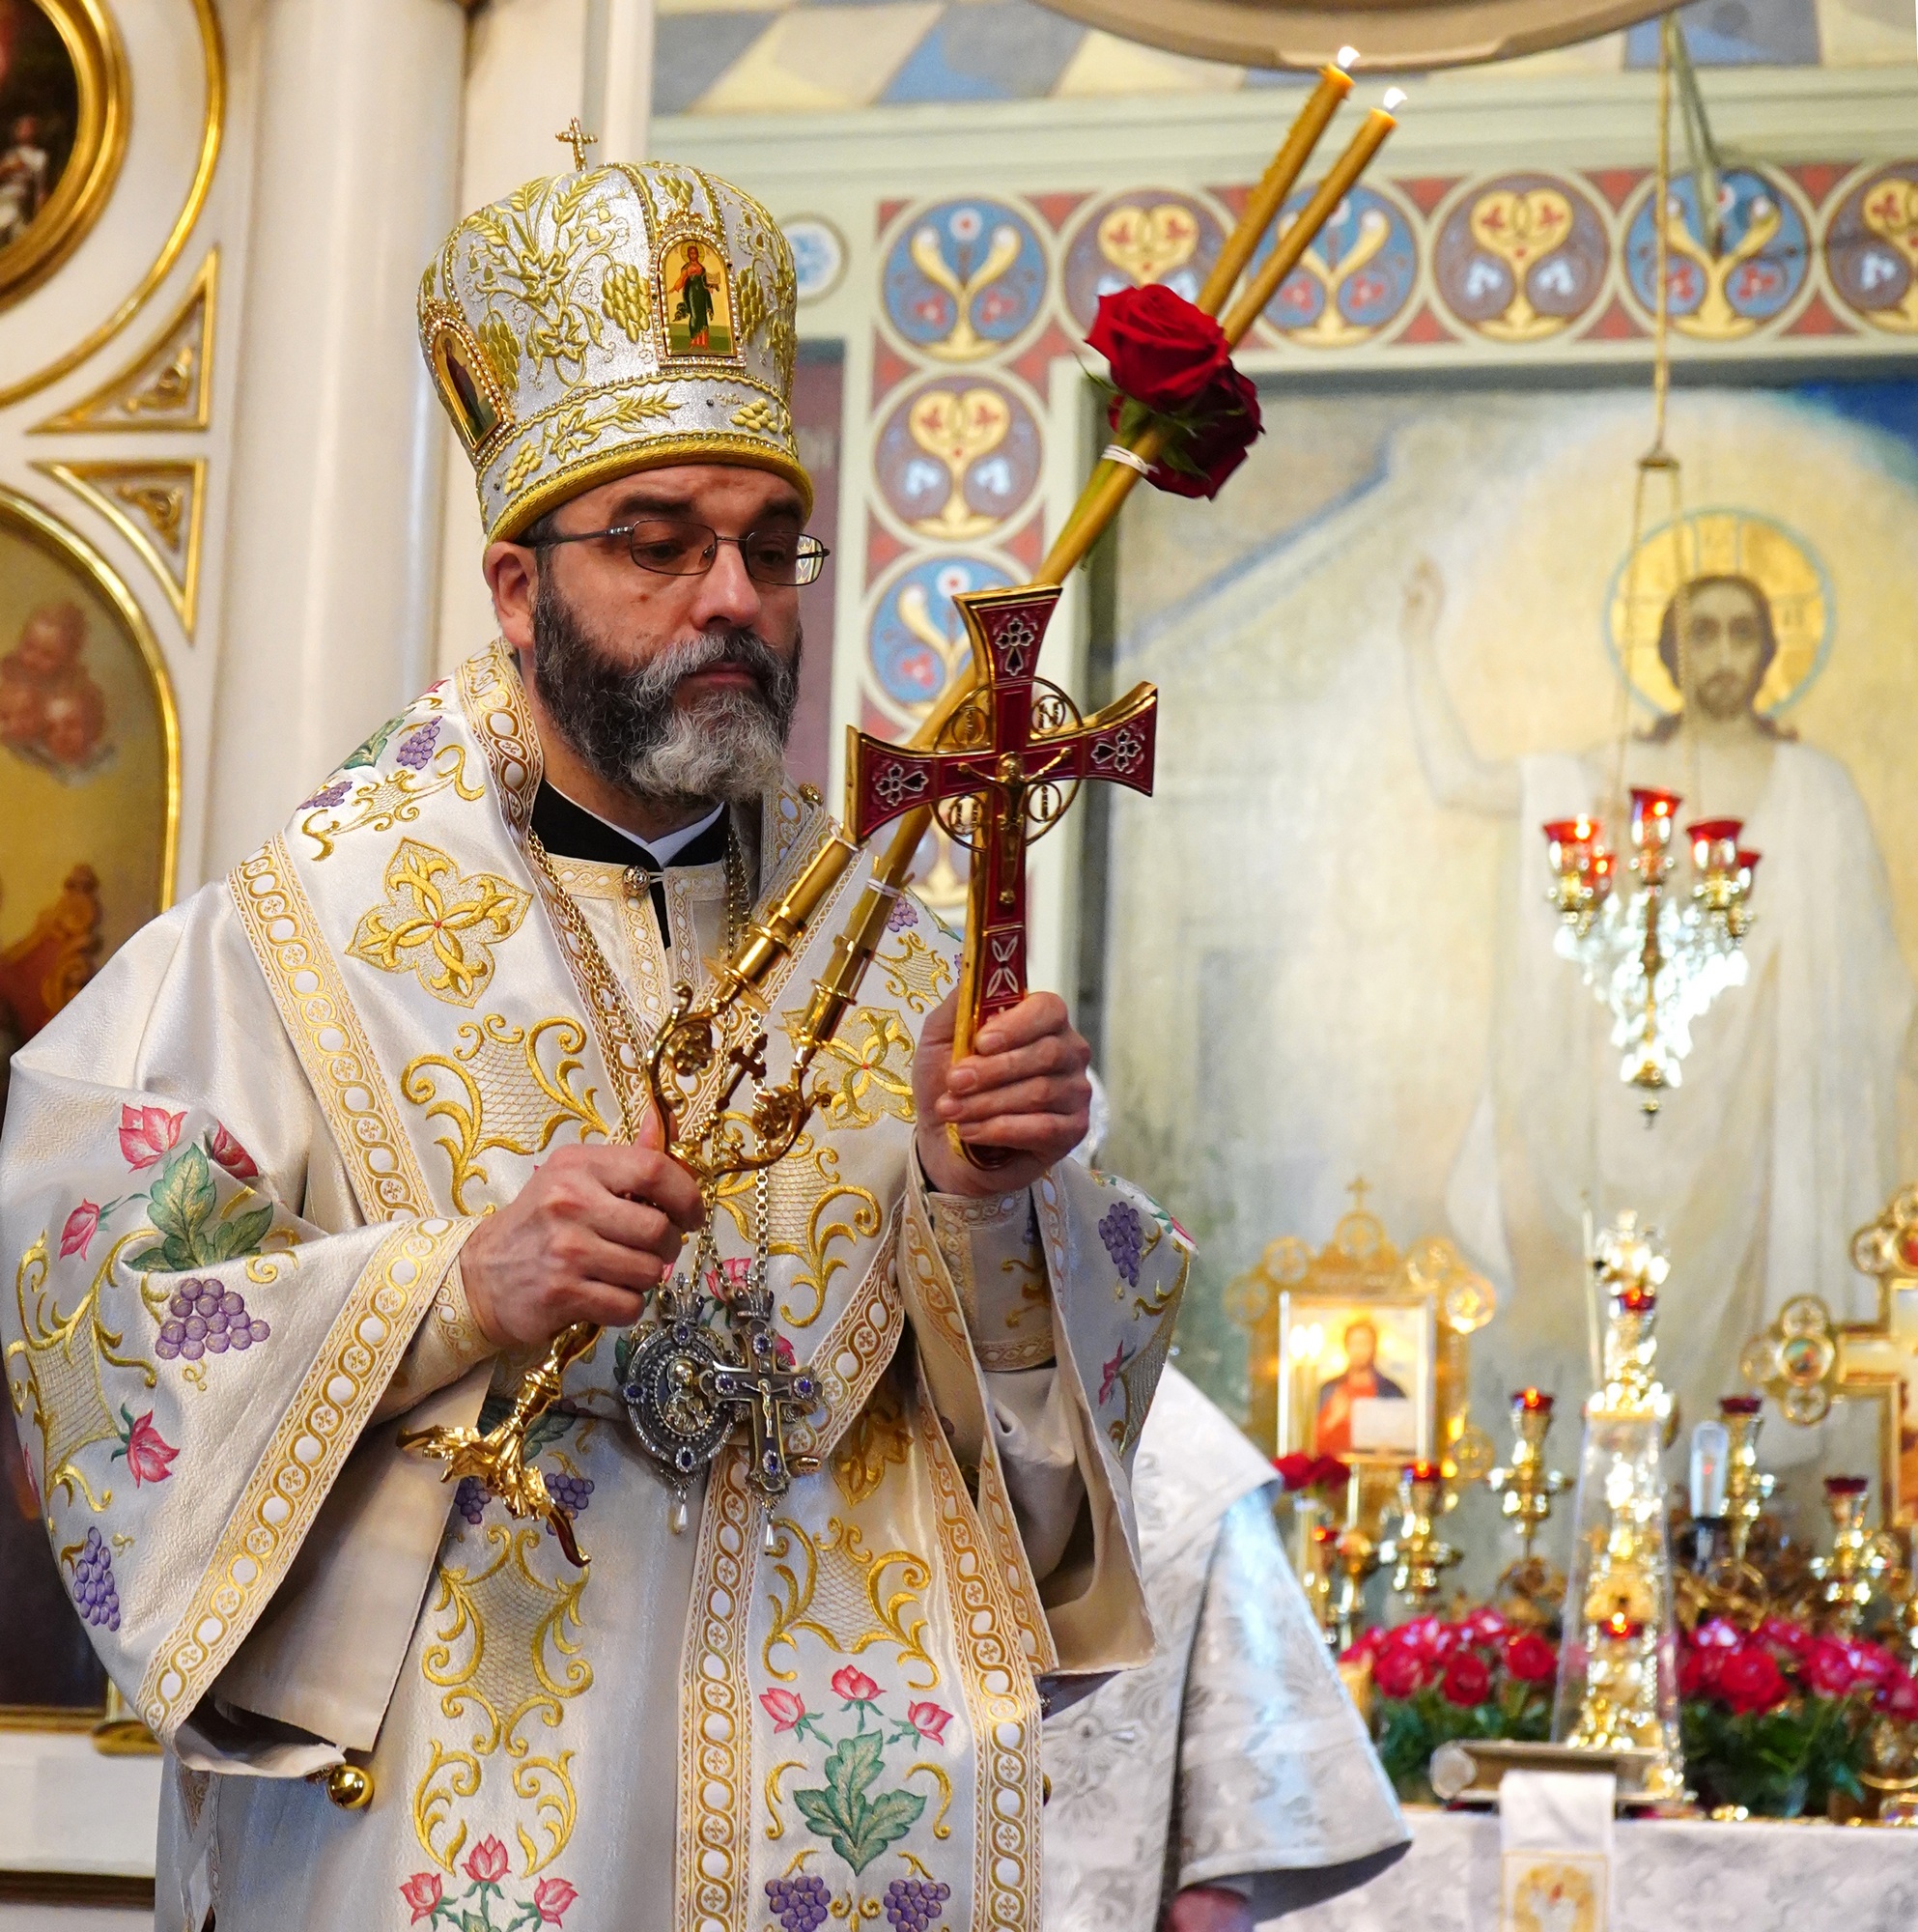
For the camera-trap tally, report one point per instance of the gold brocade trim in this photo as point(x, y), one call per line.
point(1008, 1357)
point(715, 1739)
point(495, 702)
point(299, 1467)
point(326, 1032)
point(1002, 1700)
point(853, 1355)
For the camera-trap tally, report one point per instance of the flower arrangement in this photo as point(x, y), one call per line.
point(1781, 1721)
point(1437, 1682)
point(1323, 1475)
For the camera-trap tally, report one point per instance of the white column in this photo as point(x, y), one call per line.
point(338, 459)
point(619, 77)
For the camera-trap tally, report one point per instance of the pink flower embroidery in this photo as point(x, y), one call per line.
point(145, 1133)
point(150, 1459)
point(854, 1686)
point(82, 1224)
point(782, 1351)
point(485, 1863)
point(1109, 1374)
point(227, 1152)
point(783, 1707)
point(422, 1892)
point(550, 1899)
point(929, 1720)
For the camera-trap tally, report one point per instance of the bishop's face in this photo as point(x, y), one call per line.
point(1725, 651)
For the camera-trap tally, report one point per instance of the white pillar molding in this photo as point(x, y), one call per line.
point(339, 451)
point(619, 77)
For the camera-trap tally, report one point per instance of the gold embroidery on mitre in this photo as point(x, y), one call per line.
point(437, 924)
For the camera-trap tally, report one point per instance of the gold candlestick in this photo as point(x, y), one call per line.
point(1530, 1590)
point(1851, 1577)
point(1747, 1487)
point(1420, 1558)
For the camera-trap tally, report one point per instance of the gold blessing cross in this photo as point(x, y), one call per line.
point(579, 140)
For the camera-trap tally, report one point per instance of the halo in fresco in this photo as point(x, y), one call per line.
point(1762, 262)
point(916, 640)
point(957, 457)
point(819, 255)
point(1520, 257)
point(1870, 248)
point(964, 279)
point(1354, 280)
point(1722, 543)
point(1148, 235)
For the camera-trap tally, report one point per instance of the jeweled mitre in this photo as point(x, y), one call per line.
point(609, 320)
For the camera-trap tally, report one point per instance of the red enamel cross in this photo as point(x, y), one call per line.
point(1001, 772)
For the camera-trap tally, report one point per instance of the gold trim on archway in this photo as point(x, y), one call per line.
point(214, 54)
point(43, 527)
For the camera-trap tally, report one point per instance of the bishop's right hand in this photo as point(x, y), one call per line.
point(587, 1237)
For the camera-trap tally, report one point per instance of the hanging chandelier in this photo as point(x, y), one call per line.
point(1655, 955)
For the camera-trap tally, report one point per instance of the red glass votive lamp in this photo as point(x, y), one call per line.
point(1530, 1402)
point(1653, 813)
point(1620, 1628)
point(1638, 1299)
point(1740, 1404)
point(1846, 1486)
point(1714, 843)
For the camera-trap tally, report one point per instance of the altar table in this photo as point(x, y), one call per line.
point(1667, 1876)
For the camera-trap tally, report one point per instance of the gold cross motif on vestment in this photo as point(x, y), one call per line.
point(437, 924)
point(579, 140)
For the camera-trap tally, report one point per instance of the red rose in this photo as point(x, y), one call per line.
point(550, 1899)
point(227, 1152)
point(854, 1686)
point(1397, 1673)
point(1530, 1659)
point(148, 1456)
point(145, 1133)
point(1467, 1680)
point(1484, 1627)
point(1366, 1645)
point(1165, 353)
point(1871, 1664)
point(1718, 1635)
point(782, 1707)
point(1294, 1471)
point(1828, 1669)
point(1697, 1672)
point(1328, 1472)
point(1898, 1695)
point(485, 1863)
point(1224, 423)
point(1748, 1680)
point(1793, 1639)
point(422, 1892)
point(929, 1720)
point(1423, 1637)
point(82, 1224)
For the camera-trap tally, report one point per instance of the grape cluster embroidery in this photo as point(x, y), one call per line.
point(207, 1318)
point(93, 1594)
point(1125, 1236)
point(470, 1499)
point(914, 1903)
point(799, 1903)
point(570, 1493)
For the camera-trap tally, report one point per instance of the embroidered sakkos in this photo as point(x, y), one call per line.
point(238, 1176)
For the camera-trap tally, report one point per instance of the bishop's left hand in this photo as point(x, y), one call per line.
point(1022, 1088)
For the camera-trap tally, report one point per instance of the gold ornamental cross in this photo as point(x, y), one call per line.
point(579, 140)
point(437, 924)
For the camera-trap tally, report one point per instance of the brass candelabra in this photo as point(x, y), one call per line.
point(1530, 1591)
point(1419, 1557)
point(1844, 1581)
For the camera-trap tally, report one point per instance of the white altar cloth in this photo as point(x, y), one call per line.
point(1667, 1876)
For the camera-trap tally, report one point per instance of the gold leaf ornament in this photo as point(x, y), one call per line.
point(438, 923)
point(627, 299)
point(503, 349)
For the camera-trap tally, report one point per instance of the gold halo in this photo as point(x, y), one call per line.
point(1721, 542)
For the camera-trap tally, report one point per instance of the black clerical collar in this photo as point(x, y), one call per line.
point(568, 831)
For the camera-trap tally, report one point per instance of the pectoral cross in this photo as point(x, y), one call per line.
point(1001, 773)
point(770, 1397)
point(579, 140)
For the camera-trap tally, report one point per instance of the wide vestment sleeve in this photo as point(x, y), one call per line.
point(202, 1322)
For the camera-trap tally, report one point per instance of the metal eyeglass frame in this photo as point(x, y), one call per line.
point(808, 551)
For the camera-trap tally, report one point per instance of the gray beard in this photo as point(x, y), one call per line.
point(623, 722)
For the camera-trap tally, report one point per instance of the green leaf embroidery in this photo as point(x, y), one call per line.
point(857, 1827)
point(183, 1195)
point(226, 1240)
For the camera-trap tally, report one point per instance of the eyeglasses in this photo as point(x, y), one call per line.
point(677, 547)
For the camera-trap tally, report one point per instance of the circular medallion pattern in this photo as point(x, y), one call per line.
point(1520, 257)
point(1870, 248)
point(1353, 281)
point(916, 640)
point(1148, 234)
point(819, 255)
point(957, 457)
point(964, 279)
point(1758, 270)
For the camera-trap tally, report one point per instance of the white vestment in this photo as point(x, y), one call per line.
point(236, 1177)
point(1780, 1143)
point(1235, 1756)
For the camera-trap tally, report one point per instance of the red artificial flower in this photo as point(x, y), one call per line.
point(1898, 1695)
point(1222, 425)
point(1467, 1680)
point(227, 1152)
point(1698, 1671)
point(485, 1863)
point(550, 1899)
point(782, 1707)
point(1295, 1469)
point(1300, 1471)
point(81, 1225)
point(1870, 1662)
point(1424, 1637)
point(422, 1892)
point(1366, 1645)
point(1748, 1680)
point(1719, 1635)
point(148, 1456)
point(1793, 1639)
point(1530, 1659)
point(1399, 1672)
point(1828, 1669)
point(145, 1133)
point(929, 1720)
point(1165, 353)
point(1484, 1628)
point(854, 1686)
point(1328, 1472)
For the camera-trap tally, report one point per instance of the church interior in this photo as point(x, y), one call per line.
point(1534, 1123)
